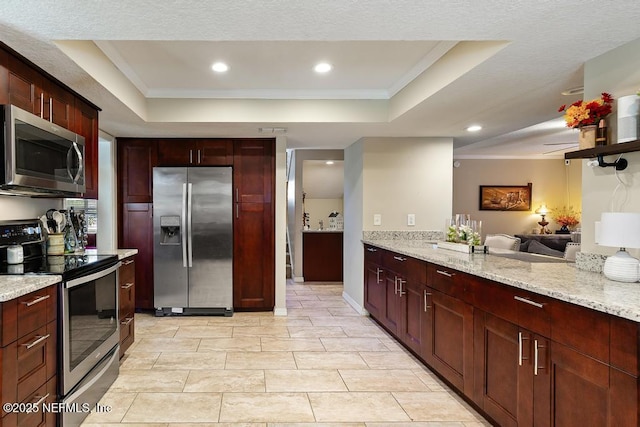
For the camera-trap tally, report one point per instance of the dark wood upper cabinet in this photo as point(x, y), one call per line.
point(195, 152)
point(22, 85)
point(86, 124)
point(253, 161)
point(136, 159)
point(59, 105)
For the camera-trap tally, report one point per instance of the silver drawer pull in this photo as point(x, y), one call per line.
point(127, 285)
point(445, 273)
point(426, 294)
point(126, 321)
point(528, 301)
point(130, 261)
point(378, 271)
point(372, 250)
point(35, 300)
point(37, 341)
point(536, 365)
point(399, 258)
point(40, 400)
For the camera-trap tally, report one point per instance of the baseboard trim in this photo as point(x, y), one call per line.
point(279, 311)
point(298, 279)
point(357, 307)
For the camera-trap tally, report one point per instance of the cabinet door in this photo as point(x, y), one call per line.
point(413, 302)
point(136, 231)
point(214, 152)
point(448, 344)
point(375, 293)
point(253, 257)
point(24, 86)
point(86, 124)
point(253, 168)
point(176, 152)
point(496, 348)
point(136, 159)
point(59, 105)
point(391, 314)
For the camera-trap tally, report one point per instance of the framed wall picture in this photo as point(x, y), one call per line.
point(505, 197)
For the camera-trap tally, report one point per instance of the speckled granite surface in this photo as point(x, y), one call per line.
point(562, 281)
point(12, 287)
point(590, 262)
point(403, 235)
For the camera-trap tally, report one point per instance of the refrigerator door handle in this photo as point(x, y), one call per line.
point(189, 226)
point(184, 225)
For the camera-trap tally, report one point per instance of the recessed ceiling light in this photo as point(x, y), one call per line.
point(219, 67)
point(322, 67)
point(329, 162)
point(474, 128)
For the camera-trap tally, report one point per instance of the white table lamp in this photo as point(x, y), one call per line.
point(621, 230)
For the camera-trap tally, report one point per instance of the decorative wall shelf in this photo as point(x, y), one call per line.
point(605, 150)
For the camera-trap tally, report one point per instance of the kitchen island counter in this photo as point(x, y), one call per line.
point(559, 280)
point(15, 286)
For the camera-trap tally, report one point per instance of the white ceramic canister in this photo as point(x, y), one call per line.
point(15, 254)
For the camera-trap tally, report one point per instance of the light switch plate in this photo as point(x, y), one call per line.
point(377, 219)
point(411, 219)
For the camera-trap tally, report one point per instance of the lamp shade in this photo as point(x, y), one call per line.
point(542, 210)
point(620, 230)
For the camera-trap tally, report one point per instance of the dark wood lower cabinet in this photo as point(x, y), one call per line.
point(520, 358)
point(136, 231)
point(322, 256)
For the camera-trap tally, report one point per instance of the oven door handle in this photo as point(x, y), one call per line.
point(95, 276)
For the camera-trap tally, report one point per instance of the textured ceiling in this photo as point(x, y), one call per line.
point(394, 75)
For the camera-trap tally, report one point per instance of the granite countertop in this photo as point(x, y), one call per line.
point(15, 286)
point(559, 280)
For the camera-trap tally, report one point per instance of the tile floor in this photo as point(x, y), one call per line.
point(323, 364)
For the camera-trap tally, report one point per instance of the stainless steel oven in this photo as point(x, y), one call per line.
point(90, 336)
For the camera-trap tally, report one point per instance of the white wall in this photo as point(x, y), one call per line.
point(319, 209)
point(17, 207)
point(616, 72)
point(392, 177)
point(107, 237)
point(280, 308)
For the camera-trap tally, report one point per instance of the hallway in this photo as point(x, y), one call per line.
point(323, 364)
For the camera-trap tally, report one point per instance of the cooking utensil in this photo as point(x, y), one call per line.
point(60, 220)
point(52, 225)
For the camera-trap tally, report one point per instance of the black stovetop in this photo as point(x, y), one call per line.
point(69, 266)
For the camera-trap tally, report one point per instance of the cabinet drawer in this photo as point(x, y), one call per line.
point(44, 394)
point(127, 271)
point(127, 328)
point(493, 298)
point(126, 299)
point(35, 360)
point(27, 313)
point(534, 311)
point(625, 335)
point(373, 254)
point(395, 262)
point(447, 281)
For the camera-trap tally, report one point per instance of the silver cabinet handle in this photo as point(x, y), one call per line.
point(40, 400)
point(400, 283)
point(399, 258)
point(190, 156)
point(183, 230)
point(42, 105)
point(50, 109)
point(521, 339)
point(36, 300)
point(445, 273)
point(372, 250)
point(199, 157)
point(378, 271)
point(535, 357)
point(37, 341)
point(426, 294)
point(527, 301)
point(126, 321)
point(126, 285)
point(237, 210)
point(127, 262)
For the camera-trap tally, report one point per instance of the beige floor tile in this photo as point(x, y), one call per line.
point(340, 321)
point(356, 406)
point(318, 425)
point(192, 360)
point(305, 297)
point(307, 312)
point(430, 379)
point(228, 381)
point(261, 360)
point(266, 407)
point(217, 425)
point(235, 320)
point(85, 424)
point(184, 320)
point(316, 331)
point(149, 380)
point(119, 403)
point(286, 321)
point(343, 311)
point(303, 380)
point(434, 406)
point(294, 304)
point(230, 344)
point(353, 344)
point(167, 345)
point(325, 304)
point(207, 331)
point(138, 360)
point(389, 360)
point(333, 360)
point(382, 380)
point(362, 331)
point(152, 330)
point(291, 344)
point(418, 424)
point(260, 331)
point(174, 407)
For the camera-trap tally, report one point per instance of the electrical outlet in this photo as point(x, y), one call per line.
point(411, 219)
point(377, 219)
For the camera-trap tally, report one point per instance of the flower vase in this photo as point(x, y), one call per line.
point(587, 137)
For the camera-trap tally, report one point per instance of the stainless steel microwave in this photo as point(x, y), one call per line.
point(40, 157)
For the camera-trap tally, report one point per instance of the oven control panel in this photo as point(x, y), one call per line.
point(20, 232)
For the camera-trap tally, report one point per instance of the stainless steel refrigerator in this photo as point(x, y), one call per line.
point(193, 241)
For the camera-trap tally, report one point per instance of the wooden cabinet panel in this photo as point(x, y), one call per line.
point(137, 232)
point(36, 359)
point(195, 152)
point(625, 336)
point(624, 399)
point(413, 303)
point(127, 303)
point(175, 152)
point(322, 256)
point(215, 152)
point(59, 105)
point(253, 161)
point(391, 313)
point(86, 124)
point(136, 159)
point(24, 86)
point(375, 294)
point(253, 257)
